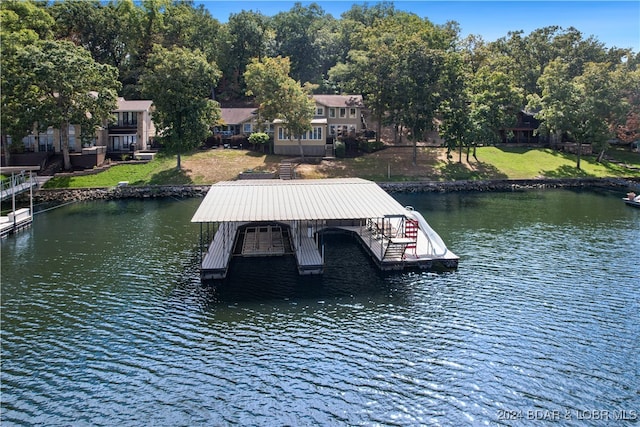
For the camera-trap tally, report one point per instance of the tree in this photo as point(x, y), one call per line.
point(420, 71)
point(279, 96)
point(60, 84)
point(558, 103)
point(179, 82)
point(249, 36)
point(602, 106)
point(495, 100)
point(295, 38)
point(454, 108)
point(22, 23)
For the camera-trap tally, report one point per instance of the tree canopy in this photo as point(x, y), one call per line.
point(180, 81)
point(414, 75)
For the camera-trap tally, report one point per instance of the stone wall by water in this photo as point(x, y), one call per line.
point(503, 185)
point(184, 191)
point(122, 192)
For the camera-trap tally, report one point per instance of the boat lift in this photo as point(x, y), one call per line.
point(21, 179)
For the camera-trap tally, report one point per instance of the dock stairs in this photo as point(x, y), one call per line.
point(286, 171)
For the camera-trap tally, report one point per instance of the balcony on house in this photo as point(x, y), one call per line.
point(125, 120)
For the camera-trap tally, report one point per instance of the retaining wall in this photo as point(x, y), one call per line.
point(184, 191)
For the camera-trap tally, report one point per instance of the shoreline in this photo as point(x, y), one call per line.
point(188, 191)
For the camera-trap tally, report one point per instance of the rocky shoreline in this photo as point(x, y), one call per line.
point(189, 191)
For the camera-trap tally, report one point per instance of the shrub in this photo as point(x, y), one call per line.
point(340, 149)
point(370, 146)
point(259, 138)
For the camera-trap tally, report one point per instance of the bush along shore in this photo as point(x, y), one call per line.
point(188, 191)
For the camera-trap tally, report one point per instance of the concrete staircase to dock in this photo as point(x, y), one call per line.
point(286, 171)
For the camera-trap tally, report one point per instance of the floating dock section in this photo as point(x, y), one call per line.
point(19, 180)
point(276, 218)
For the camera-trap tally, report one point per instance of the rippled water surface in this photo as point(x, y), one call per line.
point(105, 322)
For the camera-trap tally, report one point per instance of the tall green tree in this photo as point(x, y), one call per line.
point(249, 36)
point(295, 37)
point(495, 101)
point(60, 84)
point(179, 82)
point(279, 96)
point(421, 67)
point(22, 23)
point(602, 106)
point(453, 110)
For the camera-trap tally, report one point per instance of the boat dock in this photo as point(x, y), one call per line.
point(277, 218)
point(19, 180)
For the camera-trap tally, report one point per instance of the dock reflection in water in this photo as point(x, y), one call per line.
point(104, 321)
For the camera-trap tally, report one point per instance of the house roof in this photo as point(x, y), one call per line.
point(279, 200)
point(314, 121)
point(339, 100)
point(234, 116)
point(135, 105)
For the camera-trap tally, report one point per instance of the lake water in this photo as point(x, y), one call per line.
point(105, 322)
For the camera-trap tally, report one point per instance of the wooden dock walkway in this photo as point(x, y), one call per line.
point(215, 262)
point(308, 257)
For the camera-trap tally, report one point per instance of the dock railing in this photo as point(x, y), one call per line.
point(16, 183)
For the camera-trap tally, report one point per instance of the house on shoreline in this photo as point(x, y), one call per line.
point(334, 116)
point(131, 132)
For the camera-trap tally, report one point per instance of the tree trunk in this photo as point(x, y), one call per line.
point(301, 150)
point(378, 128)
point(415, 152)
point(601, 156)
point(64, 139)
point(7, 150)
point(460, 153)
point(579, 149)
point(179, 164)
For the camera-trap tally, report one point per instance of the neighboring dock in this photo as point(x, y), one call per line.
point(19, 180)
point(276, 218)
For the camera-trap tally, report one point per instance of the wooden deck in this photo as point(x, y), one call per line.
point(264, 240)
point(391, 253)
point(215, 262)
point(308, 257)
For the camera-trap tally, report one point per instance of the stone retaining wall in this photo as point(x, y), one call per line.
point(502, 185)
point(124, 192)
point(184, 191)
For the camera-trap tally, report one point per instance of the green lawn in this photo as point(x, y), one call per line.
point(207, 167)
point(160, 171)
point(526, 163)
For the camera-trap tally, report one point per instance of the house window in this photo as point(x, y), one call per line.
point(29, 142)
point(72, 137)
point(282, 133)
point(247, 128)
point(46, 140)
point(320, 111)
point(343, 112)
point(332, 113)
point(317, 133)
point(127, 118)
point(121, 142)
point(352, 113)
point(332, 129)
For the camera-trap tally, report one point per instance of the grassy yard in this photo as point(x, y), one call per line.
point(390, 164)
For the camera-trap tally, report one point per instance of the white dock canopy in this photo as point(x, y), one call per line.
point(295, 200)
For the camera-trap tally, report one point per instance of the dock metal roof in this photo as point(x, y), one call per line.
point(279, 200)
